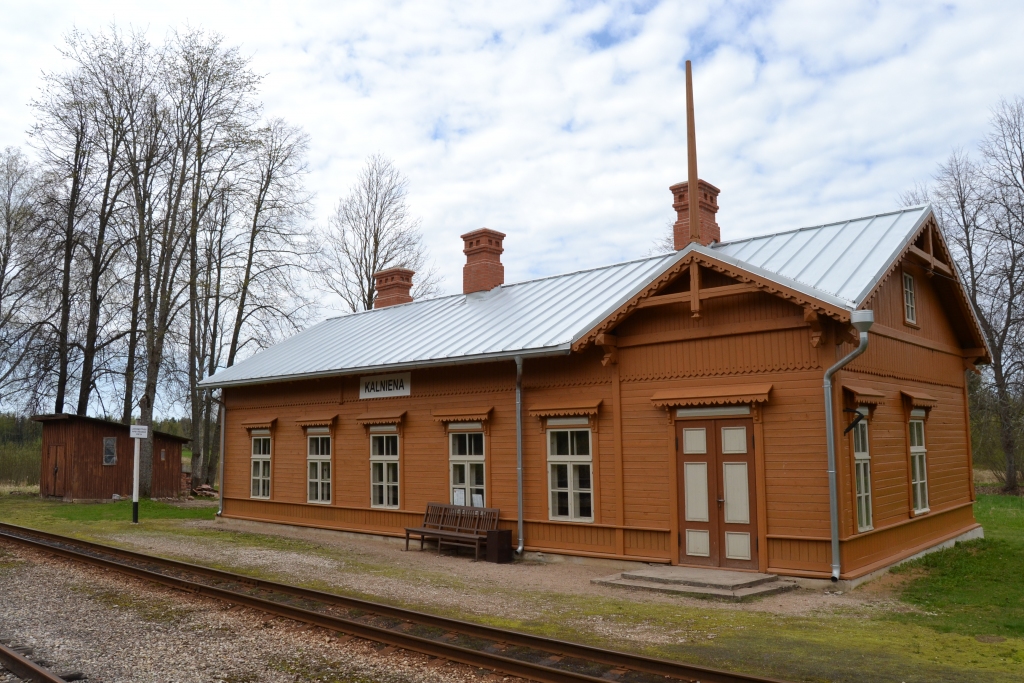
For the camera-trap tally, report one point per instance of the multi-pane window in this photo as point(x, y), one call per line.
point(260, 464)
point(110, 450)
point(384, 470)
point(466, 459)
point(569, 474)
point(918, 463)
point(862, 472)
point(909, 299)
point(318, 465)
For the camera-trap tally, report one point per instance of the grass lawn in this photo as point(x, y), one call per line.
point(96, 521)
point(958, 617)
point(975, 588)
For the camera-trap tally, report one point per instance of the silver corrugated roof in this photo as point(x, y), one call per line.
point(526, 318)
point(837, 263)
point(844, 260)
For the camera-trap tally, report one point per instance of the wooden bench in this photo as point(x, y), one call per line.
point(459, 525)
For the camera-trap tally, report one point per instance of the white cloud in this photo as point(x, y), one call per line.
point(563, 124)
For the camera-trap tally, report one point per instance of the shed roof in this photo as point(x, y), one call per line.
point(106, 423)
point(838, 263)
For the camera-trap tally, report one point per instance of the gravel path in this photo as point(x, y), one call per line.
point(380, 568)
point(115, 628)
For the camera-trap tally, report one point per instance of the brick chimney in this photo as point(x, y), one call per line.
point(707, 206)
point(392, 287)
point(483, 270)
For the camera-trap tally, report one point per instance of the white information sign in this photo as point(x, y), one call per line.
point(382, 386)
point(138, 431)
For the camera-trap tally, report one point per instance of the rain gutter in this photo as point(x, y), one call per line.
point(862, 320)
point(220, 468)
point(519, 452)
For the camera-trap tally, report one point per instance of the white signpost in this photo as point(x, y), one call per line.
point(137, 432)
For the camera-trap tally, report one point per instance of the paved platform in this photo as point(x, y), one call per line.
point(720, 584)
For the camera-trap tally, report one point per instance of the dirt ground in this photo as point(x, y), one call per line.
point(383, 569)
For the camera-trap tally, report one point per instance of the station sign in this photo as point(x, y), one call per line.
point(384, 386)
point(138, 431)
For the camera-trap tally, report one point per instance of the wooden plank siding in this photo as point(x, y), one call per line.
point(739, 339)
point(85, 477)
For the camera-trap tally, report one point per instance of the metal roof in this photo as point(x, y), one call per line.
point(839, 263)
point(844, 260)
point(542, 316)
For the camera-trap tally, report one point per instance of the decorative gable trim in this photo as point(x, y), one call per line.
point(747, 282)
point(938, 243)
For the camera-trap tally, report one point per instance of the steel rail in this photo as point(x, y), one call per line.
point(25, 669)
point(483, 659)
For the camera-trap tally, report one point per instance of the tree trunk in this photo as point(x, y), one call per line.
point(1008, 438)
point(133, 335)
point(63, 331)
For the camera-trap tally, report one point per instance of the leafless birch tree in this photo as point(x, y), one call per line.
point(372, 230)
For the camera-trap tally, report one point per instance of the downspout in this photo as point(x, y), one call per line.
point(862, 320)
point(519, 449)
point(220, 468)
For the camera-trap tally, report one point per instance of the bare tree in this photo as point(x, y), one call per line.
point(145, 151)
point(275, 243)
point(980, 209)
point(168, 229)
point(1003, 152)
point(63, 137)
point(665, 244)
point(372, 230)
point(212, 90)
point(20, 273)
point(98, 60)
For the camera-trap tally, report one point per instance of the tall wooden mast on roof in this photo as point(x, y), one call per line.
point(691, 153)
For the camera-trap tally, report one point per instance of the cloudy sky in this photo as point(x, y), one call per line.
point(562, 124)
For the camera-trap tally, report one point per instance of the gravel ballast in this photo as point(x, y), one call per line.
point(118, 629)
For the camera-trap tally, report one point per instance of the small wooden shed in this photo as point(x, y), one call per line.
point(85, 458)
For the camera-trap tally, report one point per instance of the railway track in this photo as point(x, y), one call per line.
point(18, 661)
point(503, 651)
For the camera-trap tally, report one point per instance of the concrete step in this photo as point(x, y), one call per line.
point(723, 588)
point(700, 577)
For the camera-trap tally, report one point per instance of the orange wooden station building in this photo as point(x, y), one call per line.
point(794, 403)
point(668, 409)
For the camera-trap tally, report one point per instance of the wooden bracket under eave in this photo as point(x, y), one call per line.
point(969, 365)
point(845, 334)
point(609, 343)
point(812, 318)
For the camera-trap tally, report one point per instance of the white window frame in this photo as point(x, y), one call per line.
point(862, 473)
point(385, 468)
point(918, 463)
point(318, 465)
point(260, 479)
point(909, 299)
point(573, 464)
point(468, 462)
